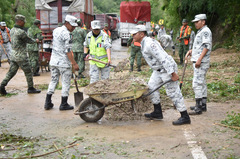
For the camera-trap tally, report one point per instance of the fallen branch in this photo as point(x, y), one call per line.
point(233, 127)
point(45, 153)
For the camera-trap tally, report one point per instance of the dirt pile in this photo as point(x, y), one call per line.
point(115, 86)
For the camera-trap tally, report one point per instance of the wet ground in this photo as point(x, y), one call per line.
point(23, 114)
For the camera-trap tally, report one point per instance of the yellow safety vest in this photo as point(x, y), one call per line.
point(97, 51)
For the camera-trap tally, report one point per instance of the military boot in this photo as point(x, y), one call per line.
point(131, 68)
point(0, 63)
point(204, 105)
point(184, 119)
point(139, 69)
point(3, 90)
point(64, 105)
point(81, 76)
point(36, 74)
point(156, 114)
point(48, 102)
point(33, 90)
point(198, 108)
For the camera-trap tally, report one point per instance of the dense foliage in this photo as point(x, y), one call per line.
point(223, 16)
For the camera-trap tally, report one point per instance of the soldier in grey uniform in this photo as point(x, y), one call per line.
point(164, 69)
point(200, 53)
point(5, 40)
point(165, 40)
point(192, 37)
point(161, 31)
point(61, 62)
point(34, 32)
point(100, 48)
point(19, 56)
point(79, 36)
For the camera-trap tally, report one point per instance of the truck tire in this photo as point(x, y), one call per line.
point(91, 104)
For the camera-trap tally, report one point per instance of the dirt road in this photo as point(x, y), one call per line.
point(24, 115)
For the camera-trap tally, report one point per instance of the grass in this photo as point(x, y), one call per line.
point(232, 119)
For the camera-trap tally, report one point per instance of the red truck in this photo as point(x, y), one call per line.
point(130, 13)
point(112, 20)
point(52, 14)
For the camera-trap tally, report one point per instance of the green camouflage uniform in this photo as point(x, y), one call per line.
point(79, 35)
point(135, 50)
point(19, 56)
point(183, 49)
point(35, 33)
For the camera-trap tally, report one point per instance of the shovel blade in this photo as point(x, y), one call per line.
point(78, 97)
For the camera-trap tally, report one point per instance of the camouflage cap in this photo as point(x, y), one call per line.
point(140, 22)
point(20, 17)
point(37, 21)
point(106, 24)
point(184, 21)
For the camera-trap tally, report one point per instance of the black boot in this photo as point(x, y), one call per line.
point(81, 76)
point(131, 68)
point(204, 104)
point(48, 102)
point(64, 105)
point(184, 119)
point(198, 108)
point(139, 69)
point(33, 90)
point(3, 90)
point(36, 74)
point(0, 63)
point(156, 114)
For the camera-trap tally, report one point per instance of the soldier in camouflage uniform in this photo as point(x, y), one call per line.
point(61, 62)
point(164, 69)
point(35, 33)
point(184, 35)
point(19, 56)
point(79, 35)
point(135, 50)
point(5, 40)
point(200, 53)
point(100, 48)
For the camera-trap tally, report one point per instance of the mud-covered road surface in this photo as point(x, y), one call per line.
point(23, 114)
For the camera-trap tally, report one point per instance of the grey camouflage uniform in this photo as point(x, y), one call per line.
point(19, 56)
point(94, 70)
point(59, 62)
point(6, 43)
point(163, 66)
point(79, 36)
point(165, 41)
point(35, 33)
point(202, 40)
point(192, 37)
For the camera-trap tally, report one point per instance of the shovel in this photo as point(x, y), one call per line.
point(78, 96)
point(184, 69)
point(102, 62)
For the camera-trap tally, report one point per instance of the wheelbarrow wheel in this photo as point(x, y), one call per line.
point(91, 104)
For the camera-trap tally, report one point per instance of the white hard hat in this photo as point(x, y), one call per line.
point(72, 20)
point(95, 24)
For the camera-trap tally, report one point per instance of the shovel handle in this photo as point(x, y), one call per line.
point(75, 81)
point(102, 62)
point(5, 52)
point(184, 69)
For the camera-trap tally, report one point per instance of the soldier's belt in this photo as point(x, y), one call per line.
point(99, 57)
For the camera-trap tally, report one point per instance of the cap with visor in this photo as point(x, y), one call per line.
point(72, 20)
point(138, 28)
point(199, 17)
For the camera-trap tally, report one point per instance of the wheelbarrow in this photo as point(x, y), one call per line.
point(92, 109)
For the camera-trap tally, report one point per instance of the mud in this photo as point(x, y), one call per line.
point(125, 136)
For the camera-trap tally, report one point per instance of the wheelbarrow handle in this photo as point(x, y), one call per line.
point(149, 93)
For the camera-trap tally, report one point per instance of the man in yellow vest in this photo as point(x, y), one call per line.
point(98, 43)
point(5, 40)
point(184, 36)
